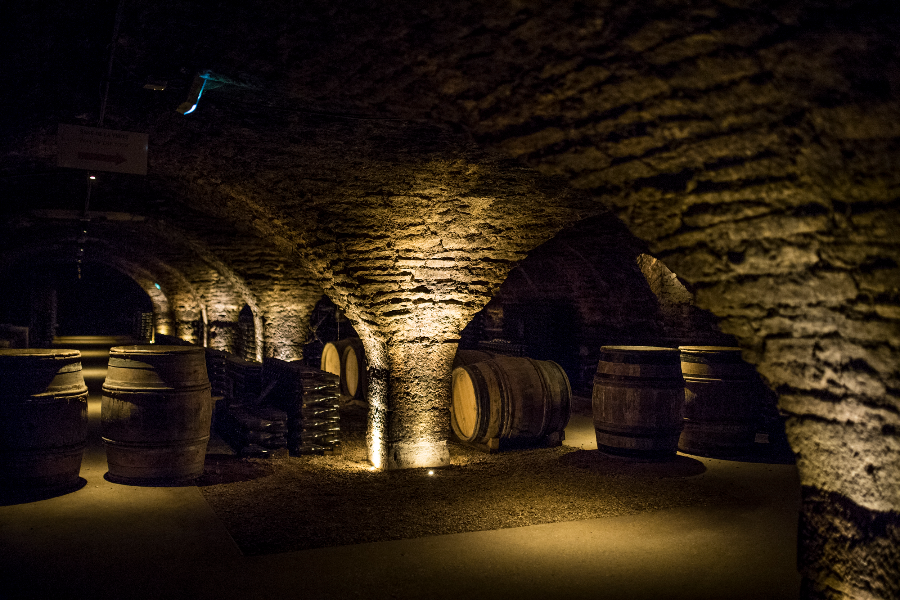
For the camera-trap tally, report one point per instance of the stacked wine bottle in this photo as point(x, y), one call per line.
point(309, 397)
point(256, 430)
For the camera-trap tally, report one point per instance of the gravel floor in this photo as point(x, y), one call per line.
point(294, 503)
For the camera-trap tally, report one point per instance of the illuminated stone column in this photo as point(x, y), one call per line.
point(409, 400)
point(410, 359)
point(286, 331)
point(418, 424)
point(285, 310)
point(223, 307)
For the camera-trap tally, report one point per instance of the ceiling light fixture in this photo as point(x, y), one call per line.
point(193, 97)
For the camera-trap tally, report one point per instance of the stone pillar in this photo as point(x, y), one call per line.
point(846, 550)
point(409, 398)
point(286, 330)
point(418, 422)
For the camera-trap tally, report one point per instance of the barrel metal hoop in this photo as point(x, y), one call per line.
point(641, 432)
point(507, 411)
point(639, 382)
point(546, 397)
point(134, 390)
point(168, 444)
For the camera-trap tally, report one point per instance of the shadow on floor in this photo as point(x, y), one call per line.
point(10, 497)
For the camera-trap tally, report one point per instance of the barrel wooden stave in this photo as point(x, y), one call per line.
point(467, 357)
point(43, 418)
point(509, 398)
point(721, 402)
point(638, 401)
point(155, 414)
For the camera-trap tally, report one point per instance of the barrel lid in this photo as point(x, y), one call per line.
point(153, 349)
point(709, 349)
point(40, 353)
point(636, 349)
point(711, 355)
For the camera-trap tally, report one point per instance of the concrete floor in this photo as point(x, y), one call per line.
point(119, 542)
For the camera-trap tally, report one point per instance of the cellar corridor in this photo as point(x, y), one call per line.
point(118, 541)
point(537, 180)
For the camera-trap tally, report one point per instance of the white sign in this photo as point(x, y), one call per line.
point(96, 149)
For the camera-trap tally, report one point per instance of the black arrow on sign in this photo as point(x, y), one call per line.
point(111, 158)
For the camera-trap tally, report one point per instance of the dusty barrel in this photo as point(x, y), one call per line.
point(331, 357)
point(509, 398)
point(353, 370)
point(721, 401)
point(43, 418)
point(347, 359)
point(468, 357)
point(155, 415)
point(638, 400)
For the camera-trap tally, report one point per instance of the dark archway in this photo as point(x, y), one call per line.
point(246, 338)
point(92, 300)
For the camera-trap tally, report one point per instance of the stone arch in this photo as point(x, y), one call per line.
point(246, 345)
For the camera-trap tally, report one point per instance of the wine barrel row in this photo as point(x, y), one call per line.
point(649, 402)
point(347, 359)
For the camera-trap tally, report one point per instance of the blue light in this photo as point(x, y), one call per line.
point(193, 99)
point(156, 284)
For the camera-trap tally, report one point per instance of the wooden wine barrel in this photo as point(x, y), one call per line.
point(468, 357)
point(155, 414)
point(638, 400)
point(347, 359)
point(353, 370)
point(43, 418)
point(331, 357)
point(721, 402)
point(509, 398)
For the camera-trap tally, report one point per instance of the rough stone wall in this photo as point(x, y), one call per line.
point(683, 323)
point(285, 293)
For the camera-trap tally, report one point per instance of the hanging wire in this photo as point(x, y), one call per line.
point(85, 219)
point(112, 58)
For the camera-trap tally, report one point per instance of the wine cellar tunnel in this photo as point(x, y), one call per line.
point(544, 179)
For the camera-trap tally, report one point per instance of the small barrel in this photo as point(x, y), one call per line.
point(331, 357)
point(155, 414)
point(721, 402)
point(43, 418)
point(509, 398)
point(638, 400)
point(468, 357)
